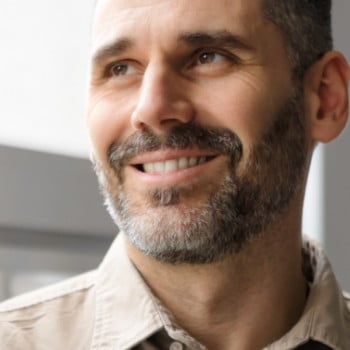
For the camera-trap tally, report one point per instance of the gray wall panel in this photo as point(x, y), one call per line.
point(50, 193)
point(337, 167)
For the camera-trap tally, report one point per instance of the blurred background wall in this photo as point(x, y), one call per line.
point(337, 171)
point(52, 221)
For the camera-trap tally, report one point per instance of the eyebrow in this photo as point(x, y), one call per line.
point(111, 50)
point(219, 38)
point(222, 38)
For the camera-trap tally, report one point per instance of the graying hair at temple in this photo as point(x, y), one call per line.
point(306, 27)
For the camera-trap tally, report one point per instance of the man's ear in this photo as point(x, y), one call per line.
point(326, 96)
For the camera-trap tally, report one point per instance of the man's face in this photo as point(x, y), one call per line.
point(196, 127)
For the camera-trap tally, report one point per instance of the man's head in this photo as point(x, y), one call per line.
point(201, 132)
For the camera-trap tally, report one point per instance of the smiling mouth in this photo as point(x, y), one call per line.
point(173, 164)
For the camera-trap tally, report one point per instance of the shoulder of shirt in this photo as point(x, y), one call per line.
point(47, 294)
point(50, 317)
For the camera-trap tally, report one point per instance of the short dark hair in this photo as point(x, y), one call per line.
point(306, 27)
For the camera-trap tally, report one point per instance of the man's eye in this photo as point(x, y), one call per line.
point(210, 57)
point(121, 69)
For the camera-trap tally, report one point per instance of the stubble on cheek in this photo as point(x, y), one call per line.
point(170, 225)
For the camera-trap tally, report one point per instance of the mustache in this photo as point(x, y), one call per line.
point(184, 136)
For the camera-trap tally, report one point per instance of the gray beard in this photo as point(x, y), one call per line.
point(237, 209)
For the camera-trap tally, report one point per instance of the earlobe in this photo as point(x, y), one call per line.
point(328, 81)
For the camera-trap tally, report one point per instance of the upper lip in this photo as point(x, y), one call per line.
point(164, 155)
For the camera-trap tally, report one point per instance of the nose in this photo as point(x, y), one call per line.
point(163, 102)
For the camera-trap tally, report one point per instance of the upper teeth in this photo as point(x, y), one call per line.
point(173, 164)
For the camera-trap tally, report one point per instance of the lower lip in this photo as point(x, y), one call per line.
point(171, 177)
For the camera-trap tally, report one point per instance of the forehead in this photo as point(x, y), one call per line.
point(164, 19)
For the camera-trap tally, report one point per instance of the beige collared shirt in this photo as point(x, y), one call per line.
point(111, 308)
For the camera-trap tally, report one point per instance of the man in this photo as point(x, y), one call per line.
point(203, 117)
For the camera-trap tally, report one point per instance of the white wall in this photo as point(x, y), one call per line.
point(43, 63)
point(313, 213)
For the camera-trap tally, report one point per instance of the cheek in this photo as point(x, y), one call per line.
point(242, 105)
point(107, 121)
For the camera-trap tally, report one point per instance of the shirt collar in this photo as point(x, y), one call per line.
point(326, 317)
point(127, 312)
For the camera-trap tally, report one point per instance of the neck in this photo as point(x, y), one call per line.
point(244, 302)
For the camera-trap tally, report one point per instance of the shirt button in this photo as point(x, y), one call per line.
point(176, 346)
